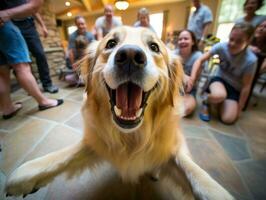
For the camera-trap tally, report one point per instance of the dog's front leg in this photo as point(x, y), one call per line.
point(203, 186)
point(36, 173)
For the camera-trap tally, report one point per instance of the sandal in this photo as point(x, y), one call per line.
point(204, 113)
point(12, 114)
point(45, 107)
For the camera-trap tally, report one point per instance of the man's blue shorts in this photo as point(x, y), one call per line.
point(13, 48)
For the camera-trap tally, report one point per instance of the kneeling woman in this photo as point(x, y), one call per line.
point(232, 82)
point(189, 53)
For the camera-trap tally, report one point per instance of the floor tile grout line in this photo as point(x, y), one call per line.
point(33, 147)
point(20, 125)
point(74, 101)
point(247, 140)
point(226, 133)
point(71, 116)
point(75, 130)
point(243, 161)
point(234, 166)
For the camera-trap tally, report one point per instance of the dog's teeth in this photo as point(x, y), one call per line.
point(138, 113)
point(118, 111)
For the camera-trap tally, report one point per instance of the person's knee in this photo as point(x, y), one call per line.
point(219, 95)
point(189, 108)
point(228, 119)
point(21, 68)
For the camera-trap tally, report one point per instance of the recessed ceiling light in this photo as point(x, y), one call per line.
point(69, 14)
point(67, 3)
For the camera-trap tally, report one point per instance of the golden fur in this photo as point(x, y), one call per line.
point(155, 145)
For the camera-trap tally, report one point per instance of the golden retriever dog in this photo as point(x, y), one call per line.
point(130, 120)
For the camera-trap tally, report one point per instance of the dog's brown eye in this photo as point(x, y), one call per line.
point(154, 47)
point(111, 44)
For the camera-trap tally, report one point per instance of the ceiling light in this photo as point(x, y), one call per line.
point(69, 14)
point(121, 4)
point(67, 3)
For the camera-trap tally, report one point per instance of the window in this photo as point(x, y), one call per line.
point(156, 21)
point(71, 29)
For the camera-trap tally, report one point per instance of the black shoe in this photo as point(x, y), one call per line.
point(51, 89)
point(44, 107)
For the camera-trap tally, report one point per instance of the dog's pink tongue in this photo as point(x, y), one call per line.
point(128, 99)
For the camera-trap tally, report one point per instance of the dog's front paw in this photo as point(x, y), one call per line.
point(22, 182)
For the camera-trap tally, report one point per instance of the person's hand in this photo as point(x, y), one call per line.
point(188, 83)
point(4, 16)
point(239, 110)
point(201, 45)
point(44, 32)
point(1, 22)
point(255, 49)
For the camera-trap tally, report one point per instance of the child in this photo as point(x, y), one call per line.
point(188, 51)
point(79, 51)
point(230, 86)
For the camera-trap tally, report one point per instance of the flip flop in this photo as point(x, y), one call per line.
point(59, 102)
point(10, 115)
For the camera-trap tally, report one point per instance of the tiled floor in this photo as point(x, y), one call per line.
point(234, 155)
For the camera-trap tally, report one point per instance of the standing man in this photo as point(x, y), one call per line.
point(105, 23)
point(31, 36)
point(81, 30)
point(199, 21)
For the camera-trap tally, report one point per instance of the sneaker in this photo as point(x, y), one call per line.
point(204, 114)
point(51, 89)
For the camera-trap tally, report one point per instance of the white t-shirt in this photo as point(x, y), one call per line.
point(104, 27)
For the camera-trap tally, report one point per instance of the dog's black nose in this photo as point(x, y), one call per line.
point(130, 57)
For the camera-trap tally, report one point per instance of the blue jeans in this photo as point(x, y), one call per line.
point(31, 36)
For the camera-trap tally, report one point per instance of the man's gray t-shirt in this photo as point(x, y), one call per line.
point(232, 68)
point(198, 19)
point(101, 24)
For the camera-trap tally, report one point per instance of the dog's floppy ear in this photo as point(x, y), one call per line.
point(176, 74)
point(88, 62)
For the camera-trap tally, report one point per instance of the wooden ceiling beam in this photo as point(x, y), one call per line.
point(87, 5)
point(105, 2)
point(63, 12)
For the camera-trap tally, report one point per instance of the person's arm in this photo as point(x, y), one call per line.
point(41, 23)
point(205, 29)
point(99, 33)
point(247, 81)
point(24, 10)
point(196, 70)
point(204, 34)
point(263, 66)
point(71, 56)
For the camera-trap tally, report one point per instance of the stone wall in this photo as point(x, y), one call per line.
point(52, 44)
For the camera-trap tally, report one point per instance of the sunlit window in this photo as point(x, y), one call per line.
point(156, 21)
point(71, 29)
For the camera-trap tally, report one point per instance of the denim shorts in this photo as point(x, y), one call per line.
point(232, 93)
point(13, 48)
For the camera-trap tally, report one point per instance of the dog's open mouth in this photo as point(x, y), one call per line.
point(128, 103)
